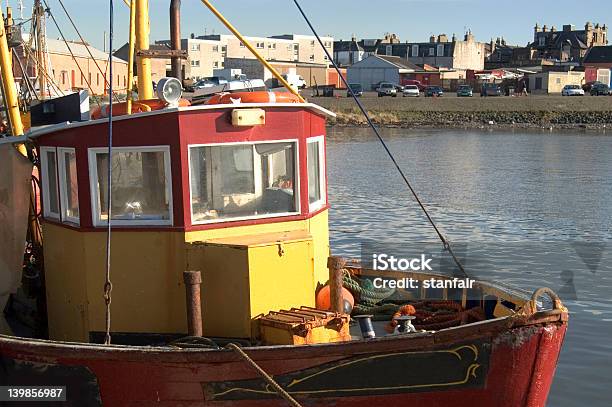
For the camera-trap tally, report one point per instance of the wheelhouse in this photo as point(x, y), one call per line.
point(188, 185)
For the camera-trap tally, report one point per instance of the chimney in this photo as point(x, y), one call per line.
point(568, 27)
point(432, 39)
point(545, 28)
point(553, 29)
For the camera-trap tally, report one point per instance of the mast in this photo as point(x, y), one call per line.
point(175, 37)
point(39, 22)
point(8, 84)
point(145, 84)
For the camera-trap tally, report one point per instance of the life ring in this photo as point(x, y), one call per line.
point(138, 106)
point(253, 97)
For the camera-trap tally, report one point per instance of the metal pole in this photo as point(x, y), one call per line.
point(192, 280)
point(335, 265)
point(132, 44)
point(175, 37)
point(8, 82)
point(261, 59)
point(145, 85)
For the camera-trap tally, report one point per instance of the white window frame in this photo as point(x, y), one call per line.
point(297, 197)
point(45, 184)
point(63, 193)
point(415, 51)
point(440, 50)
point(312, 207)
point(95, 197)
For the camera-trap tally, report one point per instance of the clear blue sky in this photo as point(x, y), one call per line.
point(412, 20)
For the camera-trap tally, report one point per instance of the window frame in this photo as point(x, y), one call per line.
point(95, 196)
point(297, 191)
point(63, 193)
point(315, 206)
point(44, 161)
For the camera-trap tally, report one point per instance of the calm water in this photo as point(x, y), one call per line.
point(535, 209)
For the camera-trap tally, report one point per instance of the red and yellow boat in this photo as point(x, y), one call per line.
point(237, 191)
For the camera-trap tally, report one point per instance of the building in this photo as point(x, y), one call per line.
point(380, 68)
point(554, 81)
point(568, 45)
point(440, 52)
point(599, 57)
point(308, 49)
point(209, 52)
point(160, 67)
point(204, 56)
point(498, 54)
point(347, 53)
point(73, 74)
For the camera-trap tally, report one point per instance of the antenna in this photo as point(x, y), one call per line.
point(21, 8)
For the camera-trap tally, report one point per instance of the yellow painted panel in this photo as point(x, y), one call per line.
point(319, 229)
point(225, 289)
point(281, 278)
point(317, 226)
point(67, 307)
point(147, 275)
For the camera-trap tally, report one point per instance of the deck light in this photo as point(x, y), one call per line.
point(170, 91)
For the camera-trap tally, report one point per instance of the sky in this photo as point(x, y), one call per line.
point(412, 20)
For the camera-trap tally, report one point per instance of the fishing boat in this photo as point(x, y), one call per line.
point(204, 228)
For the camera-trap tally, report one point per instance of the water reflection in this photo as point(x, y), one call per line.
point(533, 208)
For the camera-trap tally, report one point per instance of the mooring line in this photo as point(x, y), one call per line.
point(445, 242)
point(108, 286)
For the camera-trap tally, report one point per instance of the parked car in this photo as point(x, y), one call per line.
point(386, 89)
point(420, 85)
point(490, 89)
point(572, 90)
point(356, 88)
point(206, 83)
point(600, 89)
point(589, 85)
point(465, 91)
point(434, 91)
point(411, 90)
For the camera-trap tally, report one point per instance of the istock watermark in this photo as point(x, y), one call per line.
point(574, 269)
point(384, 262)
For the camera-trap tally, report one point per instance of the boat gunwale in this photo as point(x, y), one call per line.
point(426, 341)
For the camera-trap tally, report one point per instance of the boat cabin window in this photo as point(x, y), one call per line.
point(69, 189)
point(48, 164)
point(141, 185)
point(59, 184)
point(243, 180)
point(316, 173)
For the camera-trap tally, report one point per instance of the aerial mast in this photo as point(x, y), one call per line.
point(39, 31)
point(143, 61)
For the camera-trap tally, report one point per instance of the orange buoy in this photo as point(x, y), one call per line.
point(253, 97)
point(323, 299)
point(138, 106)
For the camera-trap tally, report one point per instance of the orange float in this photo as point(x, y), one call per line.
point(138, 106)
point(253, 97)
point(323, 299)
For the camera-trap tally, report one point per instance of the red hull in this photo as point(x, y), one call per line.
point(517, 370)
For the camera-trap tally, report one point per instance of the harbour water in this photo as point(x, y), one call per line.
point(528, 209)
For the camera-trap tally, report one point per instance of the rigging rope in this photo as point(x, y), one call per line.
point(277, 387)
point(108, 286)
point(71, 53)
point(87, 47)
point(445, 242)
